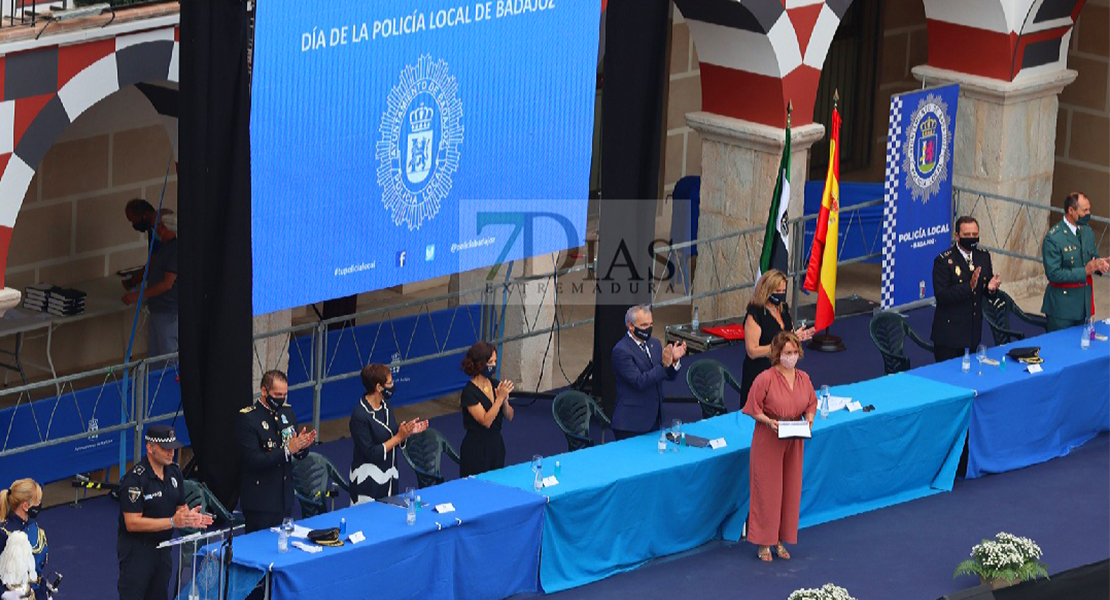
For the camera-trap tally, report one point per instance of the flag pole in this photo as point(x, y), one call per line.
point(827, 342)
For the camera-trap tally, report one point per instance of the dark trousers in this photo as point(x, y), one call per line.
point(144, 571)
point(1056, 323)
point(621, 434)
point(943, 353)
point(257, 520)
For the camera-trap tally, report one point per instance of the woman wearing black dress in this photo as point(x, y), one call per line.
point(484, 402)
point(377, 437)
point(768, 314)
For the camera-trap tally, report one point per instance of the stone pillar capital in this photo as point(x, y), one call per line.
point(756, 136)
point(1028, 86)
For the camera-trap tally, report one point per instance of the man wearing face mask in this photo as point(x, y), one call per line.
point(1070, 258)
point(268, 441)
point(641, 363)
point(962, 277)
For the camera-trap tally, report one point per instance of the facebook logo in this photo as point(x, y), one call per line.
point(401, 256)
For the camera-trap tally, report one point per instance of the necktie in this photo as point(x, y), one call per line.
point(646, 350)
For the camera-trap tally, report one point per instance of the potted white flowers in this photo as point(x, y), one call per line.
point(825, 592)
point(1004, 561)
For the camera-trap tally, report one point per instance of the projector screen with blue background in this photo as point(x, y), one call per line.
point(394, 142)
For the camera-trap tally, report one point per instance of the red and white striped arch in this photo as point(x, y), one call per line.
point(756, 56)
point(1000, 39)
point(44, 89)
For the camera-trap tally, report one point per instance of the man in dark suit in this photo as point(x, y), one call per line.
point(640, 364)
point(962, 278)
point(268, 439)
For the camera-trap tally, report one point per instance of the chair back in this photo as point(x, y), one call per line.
point(573, 411)
point(706, 379)
point(996, 311)
point(313, 477)
point(198, 494)
point(424, 452)
point(888, 331)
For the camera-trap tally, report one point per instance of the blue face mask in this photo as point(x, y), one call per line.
point(643, 334)
point(387, 393)
point(489, 371)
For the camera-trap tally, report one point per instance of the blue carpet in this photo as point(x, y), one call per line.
point(82, 540)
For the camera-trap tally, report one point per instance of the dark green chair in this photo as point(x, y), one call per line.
point(574, 411)
point(315, 480)
point(889, 331)
point(706, 379)
point(424, 452)
point(997, 311)
point(198, 494)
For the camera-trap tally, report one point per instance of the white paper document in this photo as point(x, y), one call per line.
point(310, 548)
point(838, 402)
point(794, 429)
point(357, 537)
point(853, 406)
point(445, 508)
point(549, 481)
point(717, 443)
point(1034, 368)
point(298, 531)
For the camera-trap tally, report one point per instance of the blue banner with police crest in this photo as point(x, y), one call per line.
point(917, 212)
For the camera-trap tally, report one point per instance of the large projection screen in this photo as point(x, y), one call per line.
point(396, 141)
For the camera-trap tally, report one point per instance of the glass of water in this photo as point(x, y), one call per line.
point(981, 356)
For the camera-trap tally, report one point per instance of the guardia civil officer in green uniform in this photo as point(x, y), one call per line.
point(151, 505)
point(268, 440)
point(1071, 260)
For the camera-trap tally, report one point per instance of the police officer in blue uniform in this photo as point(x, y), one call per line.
point(151, 505)
point(962, 277)
point(268, 440)
point(19, 511)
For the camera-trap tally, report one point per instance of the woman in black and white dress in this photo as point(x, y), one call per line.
point(377, 436)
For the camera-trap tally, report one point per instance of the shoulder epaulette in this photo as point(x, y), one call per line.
point(947, 252)
point(247, 409)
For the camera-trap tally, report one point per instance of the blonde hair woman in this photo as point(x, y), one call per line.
point(19, 509)
point(781, 393)
point(768, 314)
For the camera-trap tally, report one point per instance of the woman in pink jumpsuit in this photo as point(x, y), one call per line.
point(781, 393)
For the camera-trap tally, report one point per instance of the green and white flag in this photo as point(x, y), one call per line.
point(776, 239)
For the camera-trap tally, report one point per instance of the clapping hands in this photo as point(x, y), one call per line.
point(191, 518)
point(302, 440)
point(504, 389)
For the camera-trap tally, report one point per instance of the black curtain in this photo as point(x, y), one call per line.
point(215, 233)
point(633, 105)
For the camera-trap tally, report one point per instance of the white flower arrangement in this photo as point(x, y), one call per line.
point(825, 592)
point(1007, 556)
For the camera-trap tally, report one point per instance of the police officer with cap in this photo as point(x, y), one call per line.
point(268, 440)
point(962, 276)
point(151, 505)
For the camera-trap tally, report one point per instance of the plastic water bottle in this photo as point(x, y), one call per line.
point(342, 528)
point(695, 324)
point(410, 518)
point(662, 441)
point(1085, 337)
point(283, 535)
point(1091, 328)
point(965, 364)
point(558, 469)
point(824, 401)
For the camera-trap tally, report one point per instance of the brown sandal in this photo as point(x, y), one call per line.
point(764, 554)
point(781, 551)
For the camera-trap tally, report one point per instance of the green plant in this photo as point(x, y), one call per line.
point(1007, 556)
point(825, 592)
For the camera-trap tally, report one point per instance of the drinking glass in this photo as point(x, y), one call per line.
point(981, 355)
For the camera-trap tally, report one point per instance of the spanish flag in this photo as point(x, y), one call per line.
point(821, 273)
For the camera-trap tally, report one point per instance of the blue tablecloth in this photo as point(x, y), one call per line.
point(487, 548)
point(1019, 419)
point(620, 504)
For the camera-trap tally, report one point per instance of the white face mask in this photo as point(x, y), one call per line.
point(788, 360)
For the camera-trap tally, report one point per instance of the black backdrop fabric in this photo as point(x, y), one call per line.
point(632, 112)
point(215, 235)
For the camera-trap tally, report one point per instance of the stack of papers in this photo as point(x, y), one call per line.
point(794, 429)
point(54, 300)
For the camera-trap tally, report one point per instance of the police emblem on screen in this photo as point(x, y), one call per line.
point(418, 152)
point(928, 142)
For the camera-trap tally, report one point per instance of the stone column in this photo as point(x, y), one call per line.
point(740, 161)
point(1006, 145)
point(271, 352)
point(530, 307)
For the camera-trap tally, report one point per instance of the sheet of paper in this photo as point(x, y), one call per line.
point(357, 537)
point(794, 429)
point(310, 548)
point(550, 481)
point(717, 443)
point(298, 531)
point(445, 508)
point(853, 406)
point(990, 361)
point(838, 402)
point(1035, 368)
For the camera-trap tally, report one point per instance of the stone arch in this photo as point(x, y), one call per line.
point(1000, 39)
point(70, 80)
point(756, 56)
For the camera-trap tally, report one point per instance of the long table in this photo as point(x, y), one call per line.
point(1020, 419)
point(620, 504)
point(487, 548)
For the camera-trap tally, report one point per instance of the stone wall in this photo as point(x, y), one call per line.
point(71, 228)
point(683, 145)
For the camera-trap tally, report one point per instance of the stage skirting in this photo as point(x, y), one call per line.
point(1020, 419)
point(620, 504)
point(488, 548)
